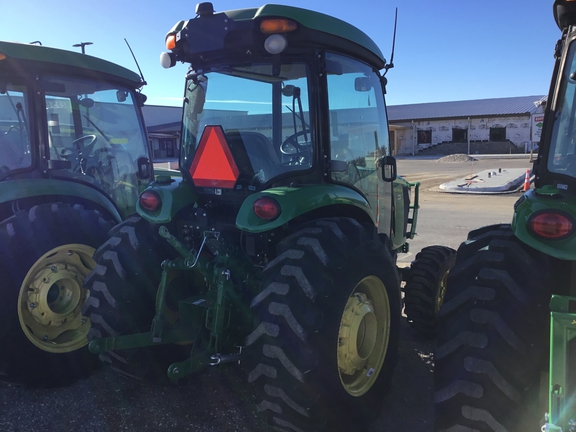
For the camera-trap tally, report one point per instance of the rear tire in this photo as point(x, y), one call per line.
point(326, 332)
point(425, 287)
point(123, 290)
point(45, 254)
point(492, 338)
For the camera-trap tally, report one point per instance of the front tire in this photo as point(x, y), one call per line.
point(46, 252)
point(425, 287)
point(492, 336)
point(326, 335)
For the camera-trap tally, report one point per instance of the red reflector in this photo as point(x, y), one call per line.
point(213, 164)
point(551, 225)
point(150, 200)
point(266, 208)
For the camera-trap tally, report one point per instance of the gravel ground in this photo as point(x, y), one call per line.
point(218, 400)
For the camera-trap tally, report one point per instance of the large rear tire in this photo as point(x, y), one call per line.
point(326, 333)
point(492, 336)
point(123, 289)
point(425, 287)
point(46, 252)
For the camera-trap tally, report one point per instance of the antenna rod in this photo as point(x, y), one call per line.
point(136, 61)
point(390, 65)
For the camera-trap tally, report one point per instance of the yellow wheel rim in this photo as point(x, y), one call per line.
point(441, 294)
point(51, 299)
point(363, 336)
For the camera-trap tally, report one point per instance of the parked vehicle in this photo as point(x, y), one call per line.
point(281, 235)
point(505, 360)
point(74, 157)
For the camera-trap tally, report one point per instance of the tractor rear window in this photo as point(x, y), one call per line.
point(265, 116)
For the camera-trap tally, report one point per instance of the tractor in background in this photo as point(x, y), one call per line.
point(74, 157)
point(505, 359)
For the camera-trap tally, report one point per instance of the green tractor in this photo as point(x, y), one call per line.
point(277, 245)
point(506, 352)
point(74, 157)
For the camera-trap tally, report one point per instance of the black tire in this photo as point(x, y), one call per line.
point(492, 341)
point(298, 351)
point(123, 289)
point(425, 287)
point(45, 254)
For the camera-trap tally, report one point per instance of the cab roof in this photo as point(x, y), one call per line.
point(29, 52)
point(311, 19)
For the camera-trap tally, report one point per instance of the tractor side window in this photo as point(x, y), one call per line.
point(358, 125)
point(95, 136)
point(14, 128)
point(562, 157)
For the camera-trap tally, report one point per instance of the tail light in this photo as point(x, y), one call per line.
point(266, 208)
point(150, 200)
point(551, 225)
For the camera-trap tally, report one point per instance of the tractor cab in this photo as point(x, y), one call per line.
point(58, 122)
point(557, 159)
point(276, 100)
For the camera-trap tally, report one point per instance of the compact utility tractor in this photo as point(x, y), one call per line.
point(277, 246)
point(74, 158)
point(506, 354)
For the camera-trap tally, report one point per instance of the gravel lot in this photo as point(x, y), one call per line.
point(215, 401)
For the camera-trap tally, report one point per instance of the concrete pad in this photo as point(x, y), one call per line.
point(489, 181)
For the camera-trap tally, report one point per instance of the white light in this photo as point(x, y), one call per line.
point(166, 60)
point(275, 44)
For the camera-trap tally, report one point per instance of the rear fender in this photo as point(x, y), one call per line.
point(297, 201)
point(15, 190)
point(174, 194)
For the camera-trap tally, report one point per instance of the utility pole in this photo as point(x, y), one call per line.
point(82, 45)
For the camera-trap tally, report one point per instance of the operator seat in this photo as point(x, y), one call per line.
point(253, 153)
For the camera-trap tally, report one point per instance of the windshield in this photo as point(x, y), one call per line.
point(562, 157)
point(264, 113)
point(95, 136)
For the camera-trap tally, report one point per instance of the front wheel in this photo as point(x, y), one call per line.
point(326, 333)
point(425, 287)
point(46, 253)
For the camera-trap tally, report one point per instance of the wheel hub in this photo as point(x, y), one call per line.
point(357, 334)
point(441, 292)
point(363, 336)
point(52, 296)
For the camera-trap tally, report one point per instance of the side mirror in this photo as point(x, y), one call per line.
point(362, 84)
point(388, 167)
point(141, 99)
point(143, 167)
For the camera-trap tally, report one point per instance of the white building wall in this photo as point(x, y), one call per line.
point(517, 131)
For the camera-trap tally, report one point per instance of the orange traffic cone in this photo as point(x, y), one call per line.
point(527, 180)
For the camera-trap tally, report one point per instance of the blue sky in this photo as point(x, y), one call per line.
point(446, 50)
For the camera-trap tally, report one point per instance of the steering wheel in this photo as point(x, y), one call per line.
point(82, 151)
point(291, 145)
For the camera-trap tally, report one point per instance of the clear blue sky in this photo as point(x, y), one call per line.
point(446, 50)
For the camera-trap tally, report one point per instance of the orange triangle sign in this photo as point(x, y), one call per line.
point(213, 164)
